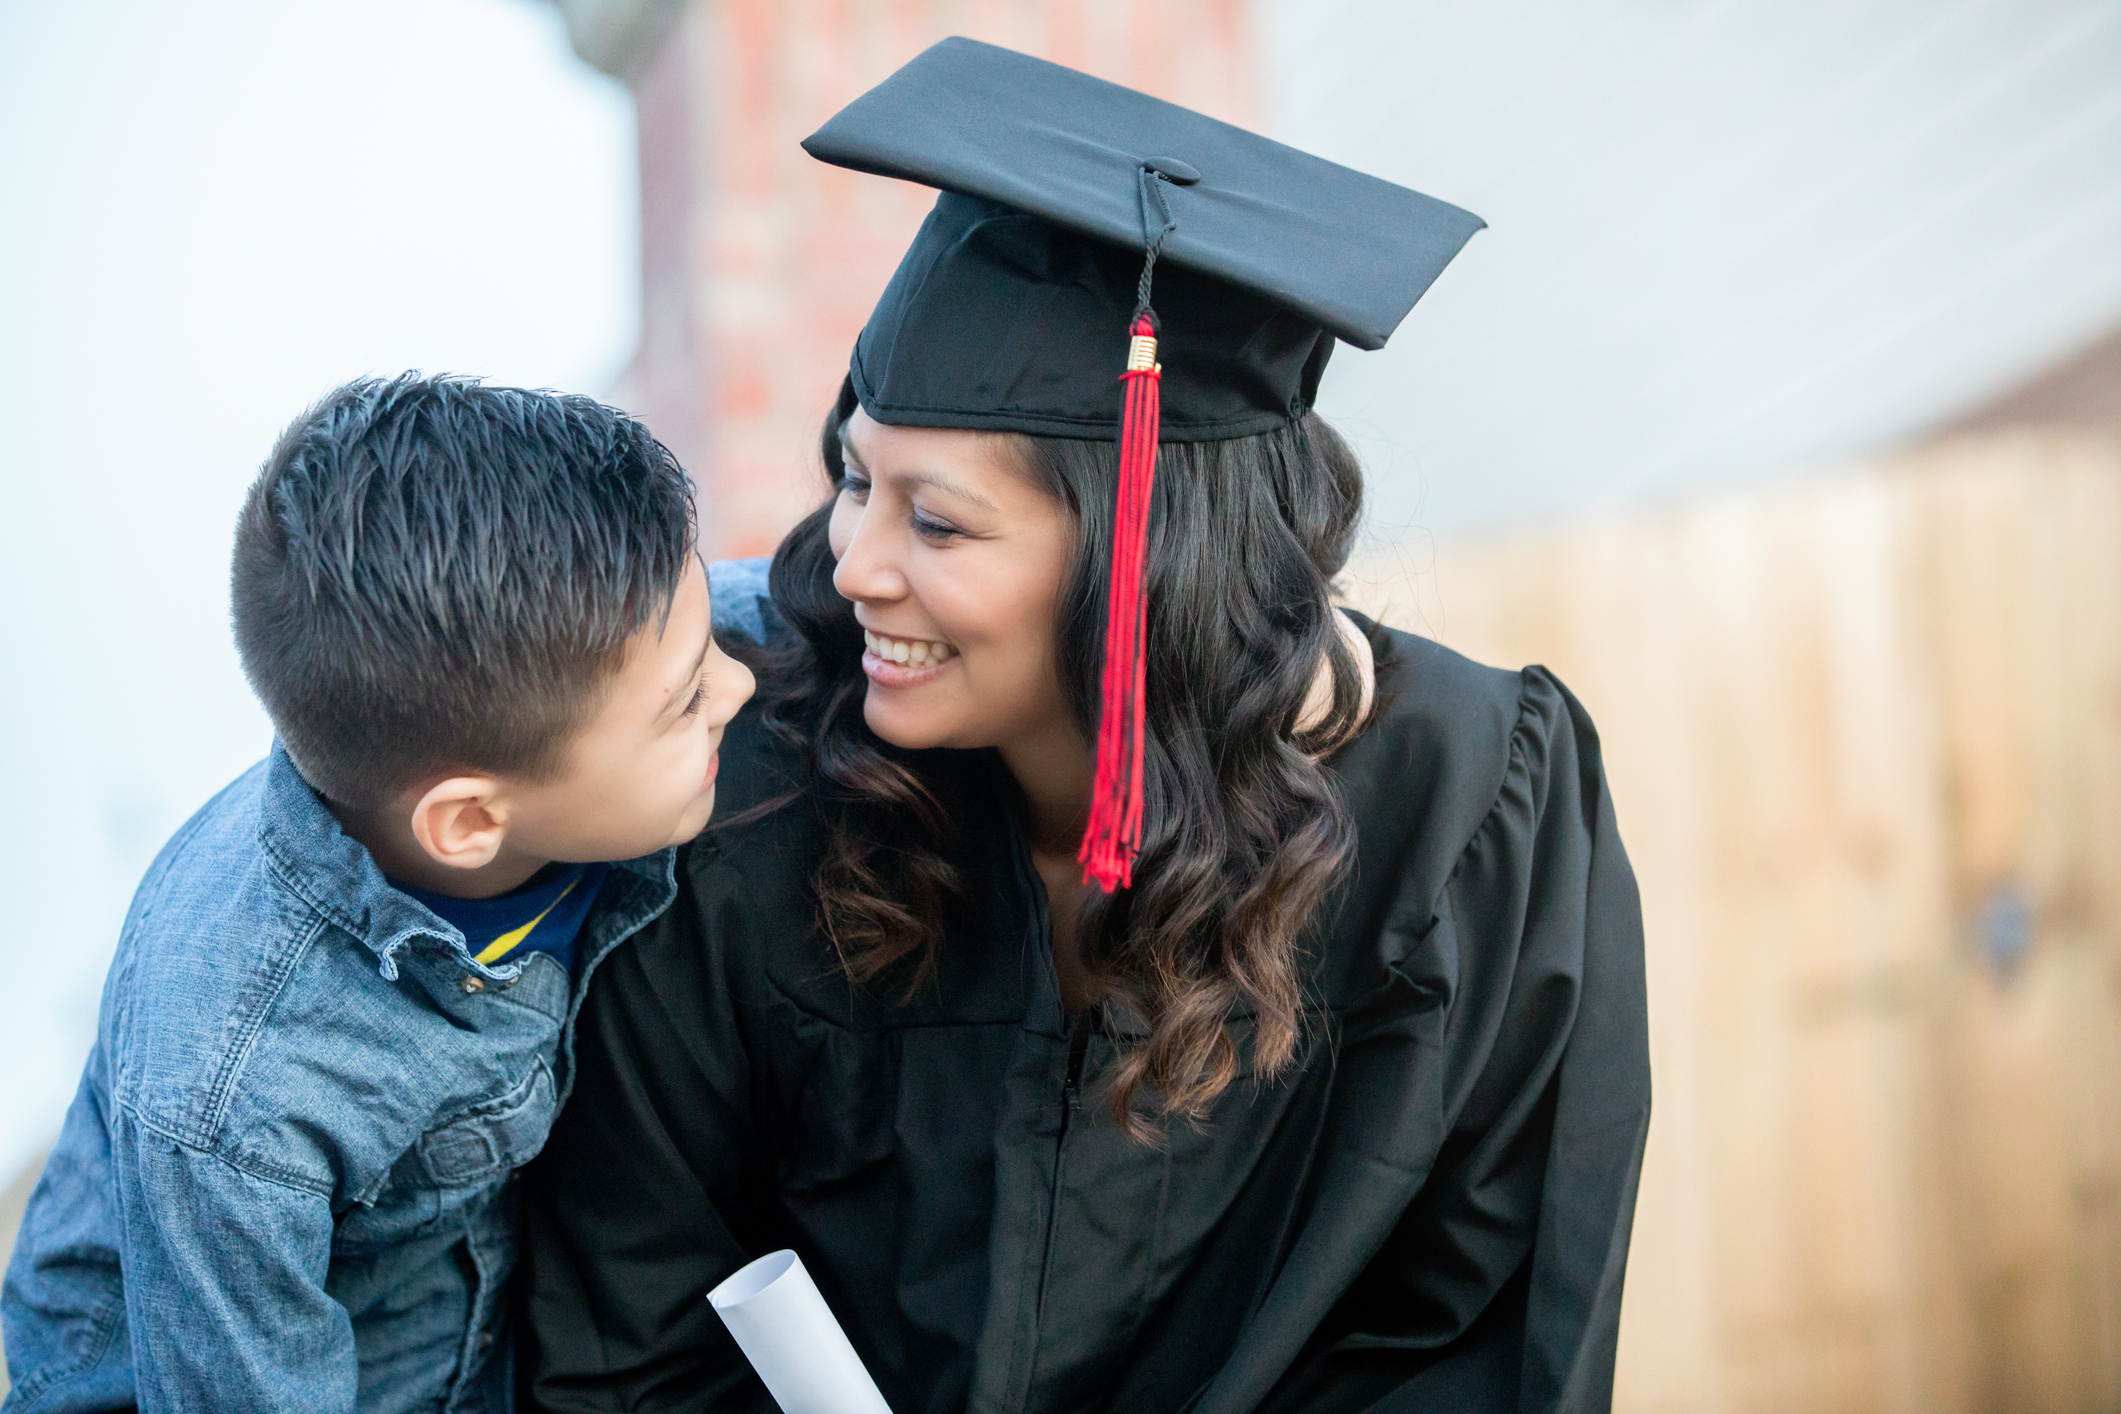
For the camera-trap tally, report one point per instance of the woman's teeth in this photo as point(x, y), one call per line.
point(917, 652)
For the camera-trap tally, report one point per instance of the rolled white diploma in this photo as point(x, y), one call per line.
point(787, 1332)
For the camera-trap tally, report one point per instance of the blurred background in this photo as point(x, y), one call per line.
point(1779, 409)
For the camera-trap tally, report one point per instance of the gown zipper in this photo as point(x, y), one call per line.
point(1072, 1088)
point(1071, 1102)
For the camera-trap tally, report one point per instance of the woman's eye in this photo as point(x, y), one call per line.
point(699, 697)
point(855, 486)
point(929, 529)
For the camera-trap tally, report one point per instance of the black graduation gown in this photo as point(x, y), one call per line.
point(1430, 1212)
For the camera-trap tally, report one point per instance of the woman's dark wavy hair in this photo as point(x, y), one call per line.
point(1243, 831)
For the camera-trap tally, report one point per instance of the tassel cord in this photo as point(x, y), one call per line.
point(1114, 834)
point(1112, 838)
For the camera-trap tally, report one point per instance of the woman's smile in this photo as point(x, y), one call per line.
point(904, 662)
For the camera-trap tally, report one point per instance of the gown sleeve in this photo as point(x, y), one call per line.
point(624, 1228)
point(1498, 1285)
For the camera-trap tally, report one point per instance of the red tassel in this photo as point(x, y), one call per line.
point(1114, 834)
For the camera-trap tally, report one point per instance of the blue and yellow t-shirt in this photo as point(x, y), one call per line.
point(542, 915)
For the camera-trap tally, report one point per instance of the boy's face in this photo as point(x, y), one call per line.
point(640, 772)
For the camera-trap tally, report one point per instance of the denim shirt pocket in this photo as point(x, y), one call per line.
point(501, 1135)
point(449, 1164)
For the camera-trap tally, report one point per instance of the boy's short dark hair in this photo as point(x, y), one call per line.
point(435, 575)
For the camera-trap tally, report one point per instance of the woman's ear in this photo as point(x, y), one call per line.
point(461, 822)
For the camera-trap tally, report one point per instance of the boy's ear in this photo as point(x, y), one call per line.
point(461, 822)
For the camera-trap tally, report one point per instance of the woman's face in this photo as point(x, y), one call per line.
point(953, 559)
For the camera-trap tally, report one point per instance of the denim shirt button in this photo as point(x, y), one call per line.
point(474, 984)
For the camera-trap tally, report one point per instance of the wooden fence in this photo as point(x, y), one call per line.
point(1864, 734)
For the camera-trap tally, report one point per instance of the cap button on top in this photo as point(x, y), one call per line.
point(1183, 174)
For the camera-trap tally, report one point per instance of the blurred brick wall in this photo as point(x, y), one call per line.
point(760, 265)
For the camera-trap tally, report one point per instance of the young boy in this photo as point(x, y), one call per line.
point(341, 1011)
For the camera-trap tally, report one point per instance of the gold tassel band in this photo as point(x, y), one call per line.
point(1141, 353)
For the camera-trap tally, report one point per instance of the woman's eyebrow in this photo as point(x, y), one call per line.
point(945, 484)
point(918, 478)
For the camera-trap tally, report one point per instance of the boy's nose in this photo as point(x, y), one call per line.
point(744, 683)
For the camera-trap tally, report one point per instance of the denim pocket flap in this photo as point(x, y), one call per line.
point(502, 1134)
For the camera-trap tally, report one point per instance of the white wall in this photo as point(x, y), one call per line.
point(210, 213)
point(1728, 237)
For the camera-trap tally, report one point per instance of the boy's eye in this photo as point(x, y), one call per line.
point(699, 697)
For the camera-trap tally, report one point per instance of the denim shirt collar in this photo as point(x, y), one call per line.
point(317, 861)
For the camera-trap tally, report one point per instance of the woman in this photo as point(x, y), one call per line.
point(1133, 984)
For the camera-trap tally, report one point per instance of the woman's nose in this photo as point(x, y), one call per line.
point(868, 571)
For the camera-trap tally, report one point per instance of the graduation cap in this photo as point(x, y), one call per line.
point(1025, 303)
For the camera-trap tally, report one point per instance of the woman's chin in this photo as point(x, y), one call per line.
point(900, 722)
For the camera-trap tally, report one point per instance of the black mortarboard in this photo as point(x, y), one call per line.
point(1000, 322)
point(1025, 302)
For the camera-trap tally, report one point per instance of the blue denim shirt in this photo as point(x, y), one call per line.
point(284, 1182)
